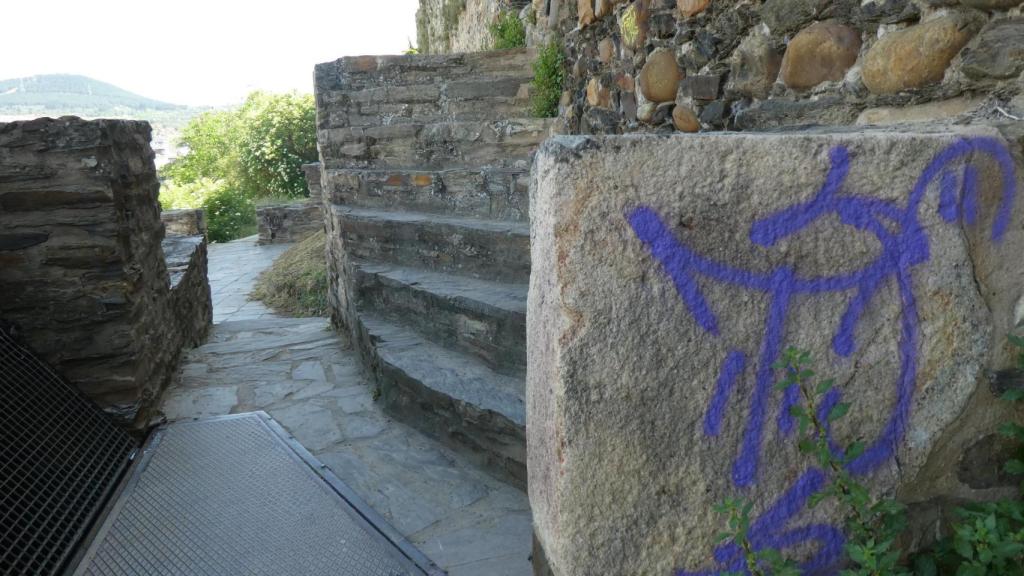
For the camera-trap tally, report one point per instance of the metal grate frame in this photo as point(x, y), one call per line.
point(60, 459)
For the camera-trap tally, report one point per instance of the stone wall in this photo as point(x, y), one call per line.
point(184, 222)
point(283, 223)
point(669, 273)
point(291, 222)
point(457, 26)
point(82, 269)
point(662, 65)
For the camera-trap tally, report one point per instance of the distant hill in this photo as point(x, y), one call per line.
point(57, 94)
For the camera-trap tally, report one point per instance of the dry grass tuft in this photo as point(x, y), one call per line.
point(296, 284)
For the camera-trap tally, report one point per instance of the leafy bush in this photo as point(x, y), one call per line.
point(296, 283)
point(230, 213)
point(236, 157)
point(277, 136)
point(548, 75)
point(508, 31)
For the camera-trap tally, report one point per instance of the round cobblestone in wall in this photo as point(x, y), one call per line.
point(822, 52)
point(660, 76)
point(917, 56)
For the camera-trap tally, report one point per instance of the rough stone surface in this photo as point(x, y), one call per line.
point(288, 222)
point(668, 274)
point(689, 8)
point(999, 52)
point(827, 74)
point(659, 78)
point(917, 56)
point(754, 67)
point(313, 181)
point(684, 119)
point(943, 110)
point(82, 270)
point(184, 222)
point(991, 4)
point(822, 52)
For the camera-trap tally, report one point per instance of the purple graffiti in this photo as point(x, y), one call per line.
point(904, 245)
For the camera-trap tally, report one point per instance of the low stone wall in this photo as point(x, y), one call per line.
point(645, 65)
point(190, 301)
point(184, 222)
point(282, 223)
point(82, 269)
point(669, 274)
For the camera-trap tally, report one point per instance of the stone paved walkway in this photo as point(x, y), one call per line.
point(305, 376)
point(234, 267)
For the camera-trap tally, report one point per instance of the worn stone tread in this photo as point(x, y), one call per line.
point(478, 224)
point(456, 375)
point(473, 293)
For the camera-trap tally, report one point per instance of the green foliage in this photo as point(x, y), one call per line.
point(548, 76)
point(230, 213)
point(236, 157)
point(872, 524)
point(277, 136)
point(989, 537)
point(296, 283)
point(411, 50)
point(508, 31)
point(759, 562)
point(212, 139)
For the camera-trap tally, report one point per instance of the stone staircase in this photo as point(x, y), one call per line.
point(426, 164)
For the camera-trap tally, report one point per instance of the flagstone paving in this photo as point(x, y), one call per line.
point(306, 377)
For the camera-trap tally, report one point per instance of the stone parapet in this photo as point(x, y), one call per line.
point(82, 269)
point(184, 222)
point(282, 223)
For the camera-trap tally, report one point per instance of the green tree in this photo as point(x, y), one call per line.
point(237, 157)
point(277, 136)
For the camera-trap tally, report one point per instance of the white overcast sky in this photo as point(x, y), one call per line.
point(197, 52)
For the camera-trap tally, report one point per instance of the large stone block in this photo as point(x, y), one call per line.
point(669, 273)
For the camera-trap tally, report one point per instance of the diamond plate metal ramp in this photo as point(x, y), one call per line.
point(236, 495)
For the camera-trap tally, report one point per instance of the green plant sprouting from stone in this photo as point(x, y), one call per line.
point(759, 562)
point(508, 31)
point(988, 540)
point(548, 76)
point(872, 524)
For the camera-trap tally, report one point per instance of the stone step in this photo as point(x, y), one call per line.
point(496, 194)
point(442, 145)
point(492, 249)
point(353, 73)
point(476, 99)
point(479, 317)
point(449, 395)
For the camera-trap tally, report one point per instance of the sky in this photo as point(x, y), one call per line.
point(197, 52)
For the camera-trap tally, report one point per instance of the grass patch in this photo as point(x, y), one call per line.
point(296, 284)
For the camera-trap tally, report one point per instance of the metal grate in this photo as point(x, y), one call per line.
point(227, 496)
point(60, 457)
